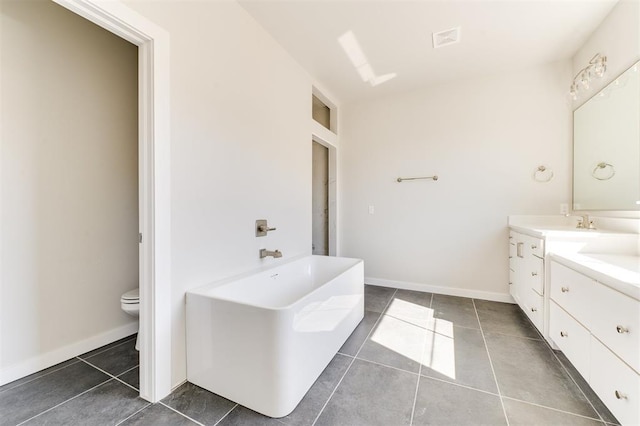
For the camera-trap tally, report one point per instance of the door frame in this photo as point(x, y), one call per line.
point(154, 183)
point(313, 192)
point(332, 196)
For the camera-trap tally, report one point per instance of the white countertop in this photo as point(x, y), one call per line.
point(618, 271)
point(561, 231)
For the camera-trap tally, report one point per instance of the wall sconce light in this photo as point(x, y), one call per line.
point(596, 68)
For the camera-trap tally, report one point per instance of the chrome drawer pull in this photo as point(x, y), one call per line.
point(564, 289)
point(620, 329)
point(533, 246)
point(533, 274)
point(564, 334)
point(620, 395)
point(534, 309)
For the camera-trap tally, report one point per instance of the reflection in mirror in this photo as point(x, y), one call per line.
point(606, 147)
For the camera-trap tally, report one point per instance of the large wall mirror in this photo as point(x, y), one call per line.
point(606, 147)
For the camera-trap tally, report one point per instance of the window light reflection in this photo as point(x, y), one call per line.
point(402, 330)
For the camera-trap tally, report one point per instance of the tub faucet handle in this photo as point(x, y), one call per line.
point(262, 228)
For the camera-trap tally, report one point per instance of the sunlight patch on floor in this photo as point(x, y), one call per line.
point(402, 330)
point(440, 351)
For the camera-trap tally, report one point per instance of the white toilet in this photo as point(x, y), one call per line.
point(130, 303)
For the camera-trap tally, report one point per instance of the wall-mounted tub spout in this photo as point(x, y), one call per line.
point(265, 253)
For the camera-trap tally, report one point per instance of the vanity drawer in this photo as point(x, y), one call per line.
point(573, 291)
point(571, 337)
point(534, 273)
point(617, 385)
point(616, 323)
point(533, 246)
point(533, 305)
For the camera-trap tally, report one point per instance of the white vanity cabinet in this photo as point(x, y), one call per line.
point(526, 275)
point(598, 329)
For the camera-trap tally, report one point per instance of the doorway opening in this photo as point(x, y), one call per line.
point(320, 200)
point(154, 183)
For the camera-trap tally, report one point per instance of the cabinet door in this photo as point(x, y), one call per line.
point(617, 385)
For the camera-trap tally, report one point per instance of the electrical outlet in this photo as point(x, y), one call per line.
point(564, 208)
point(372, 210)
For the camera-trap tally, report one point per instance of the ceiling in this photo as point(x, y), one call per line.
point(395, 36)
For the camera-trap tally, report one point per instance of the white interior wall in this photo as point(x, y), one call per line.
point(618, 38)
point(68, 196)
point(484, 138)
point(240, 148)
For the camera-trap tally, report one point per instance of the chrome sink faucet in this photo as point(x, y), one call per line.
point(584, 222)
point(265, 253)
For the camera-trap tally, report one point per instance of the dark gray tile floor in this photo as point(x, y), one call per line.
point(415, 359)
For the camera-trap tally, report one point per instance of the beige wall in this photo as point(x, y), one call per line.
point(618, 38)
point(232, 160)
point(69, 184)
point(484, 138)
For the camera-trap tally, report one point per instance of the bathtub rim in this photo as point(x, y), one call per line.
point(202, 291)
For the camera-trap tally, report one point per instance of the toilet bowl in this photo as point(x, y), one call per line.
point(130, 303)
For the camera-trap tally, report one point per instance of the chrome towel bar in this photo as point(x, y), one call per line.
point(416, 178)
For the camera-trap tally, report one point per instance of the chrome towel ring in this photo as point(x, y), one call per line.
point(602, 166)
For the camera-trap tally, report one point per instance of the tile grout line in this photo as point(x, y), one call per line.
point(424, 344)
point(111, 375)
point(493, 371)
point(97, 368)
point(437, 379)
point(226, 414)
point(566, 370)
point(64, 402)
point(39, 377)
point(127, 384)
point(133, 414)
point(354, 358)
point(518, 337)
point(554, 409)
point(182, 414)
point(110, 347)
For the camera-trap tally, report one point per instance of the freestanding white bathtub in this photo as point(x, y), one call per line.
point(261, 340)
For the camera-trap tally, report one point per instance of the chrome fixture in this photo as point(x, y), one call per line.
point(596, 68)
point(416, 178)
point(620, 395)
point(262, 228)
point(585, 223)
point(543, 174)
point(602, 166)
point(266, 253)
point(621, 330)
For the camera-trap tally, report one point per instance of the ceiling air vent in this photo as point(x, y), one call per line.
point(446, 37)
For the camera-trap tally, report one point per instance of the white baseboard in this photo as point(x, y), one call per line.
point(46, 360)
point(449, 291)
